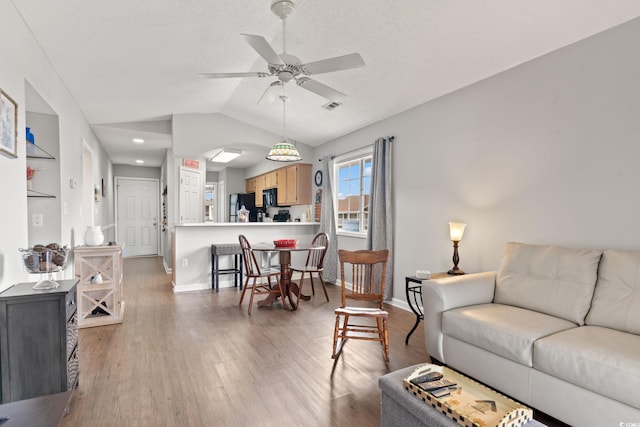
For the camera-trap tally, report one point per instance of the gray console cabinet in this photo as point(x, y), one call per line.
point(38, 341)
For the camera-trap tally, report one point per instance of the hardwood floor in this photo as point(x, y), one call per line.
point(198, 359)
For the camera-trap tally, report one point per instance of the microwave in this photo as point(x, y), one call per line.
point(270, 197)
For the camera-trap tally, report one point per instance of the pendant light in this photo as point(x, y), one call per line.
point(284, 151)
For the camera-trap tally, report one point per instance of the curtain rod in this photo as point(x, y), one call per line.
point(391, 138)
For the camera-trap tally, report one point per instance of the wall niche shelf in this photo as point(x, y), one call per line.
point(39, 195)
point(35, 152)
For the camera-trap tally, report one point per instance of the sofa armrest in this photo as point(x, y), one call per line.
point(440, 295)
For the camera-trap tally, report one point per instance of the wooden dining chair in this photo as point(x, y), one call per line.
point(368, 270)
point(253, 274)
point(314, 264)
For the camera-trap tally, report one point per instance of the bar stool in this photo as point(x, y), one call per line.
point(221, 249)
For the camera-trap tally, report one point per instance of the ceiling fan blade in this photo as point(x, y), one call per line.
point(339, 63)
point(320, 89)
point(232, 75)
point(264, 49)
point(272, 92)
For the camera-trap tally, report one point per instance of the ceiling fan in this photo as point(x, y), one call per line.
point(287, 67)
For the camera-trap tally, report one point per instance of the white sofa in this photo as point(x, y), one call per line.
point(556, 328)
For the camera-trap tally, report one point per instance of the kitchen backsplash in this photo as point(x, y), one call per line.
point(296, 212)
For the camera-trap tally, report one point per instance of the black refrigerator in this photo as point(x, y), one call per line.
point(236, 201)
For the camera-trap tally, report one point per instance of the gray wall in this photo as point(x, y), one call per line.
point(235, 180)
point(543, 153)
point(212, 176)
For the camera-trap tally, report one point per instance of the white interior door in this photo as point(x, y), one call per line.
point(223, 202)
point(88, 198)
point(137, 215)
point(191, 195)
point(211, 202)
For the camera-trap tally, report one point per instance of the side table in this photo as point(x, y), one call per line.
point(413, 287)
point(100, 290)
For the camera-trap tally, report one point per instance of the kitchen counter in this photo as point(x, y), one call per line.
point(246, 224)
point(192, 247)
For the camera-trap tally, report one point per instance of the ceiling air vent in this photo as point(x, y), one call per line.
point(331, 105)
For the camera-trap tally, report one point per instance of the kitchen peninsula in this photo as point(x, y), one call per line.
point(192, 246)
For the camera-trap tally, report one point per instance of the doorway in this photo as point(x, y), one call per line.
point(88, 197)
point(137, 215)
point(191, 195)
point(211, 202)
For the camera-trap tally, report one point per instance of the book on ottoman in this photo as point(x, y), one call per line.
point(466, 401)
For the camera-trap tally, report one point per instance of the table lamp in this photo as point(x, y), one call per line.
point(456, 230)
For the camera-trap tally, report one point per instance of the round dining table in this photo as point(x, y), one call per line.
point(289, 288)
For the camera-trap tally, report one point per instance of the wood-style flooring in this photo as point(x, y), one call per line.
point(198, 359)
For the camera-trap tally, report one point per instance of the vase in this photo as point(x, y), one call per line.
point(93, 236)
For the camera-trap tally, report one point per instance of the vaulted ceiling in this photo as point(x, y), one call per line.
point(128, 63)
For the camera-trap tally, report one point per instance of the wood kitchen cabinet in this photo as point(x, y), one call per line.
point(100, 302)
point(251, 185)
point(260, 185)
point(38, 340)
point(294, 185)
point(271, 179)
point(282, 188)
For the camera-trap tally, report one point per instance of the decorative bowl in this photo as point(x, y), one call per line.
point(285, 243)
point(44, 259)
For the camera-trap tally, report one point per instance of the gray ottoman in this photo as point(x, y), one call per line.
point(400, 408)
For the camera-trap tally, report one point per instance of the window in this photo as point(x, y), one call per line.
point(352, 189)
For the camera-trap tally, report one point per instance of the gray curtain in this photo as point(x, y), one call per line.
point(328, 223)
point(380, 232)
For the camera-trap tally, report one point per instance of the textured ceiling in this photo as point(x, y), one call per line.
point(133, 61)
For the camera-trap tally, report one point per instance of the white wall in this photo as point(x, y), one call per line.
point(130, 171)
point(235, 181)
point(46, 180)
point(196, 134)
point(22, 62)
point(544, 153)
point(263, 166)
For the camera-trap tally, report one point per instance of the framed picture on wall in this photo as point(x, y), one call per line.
point(8, 125)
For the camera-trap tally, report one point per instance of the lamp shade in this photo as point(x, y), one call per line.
point(456, 230)
point(284, 151)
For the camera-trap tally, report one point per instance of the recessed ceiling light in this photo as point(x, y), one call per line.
point(140, 161)
point(138, 140)
point(225, 156)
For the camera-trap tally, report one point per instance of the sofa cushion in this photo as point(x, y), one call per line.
point(548, 279)
point(616, 302)
point(602, 360)
point(502, 329)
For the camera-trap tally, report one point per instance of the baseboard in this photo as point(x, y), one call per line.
point(396, 302)
point(167, 269)
point(191, 287)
